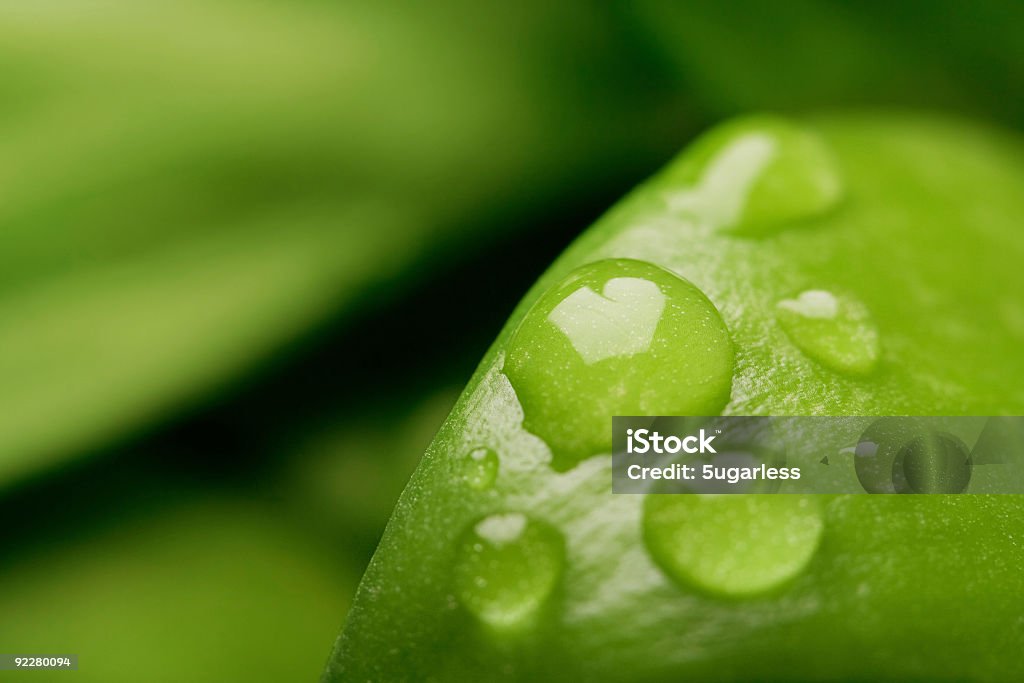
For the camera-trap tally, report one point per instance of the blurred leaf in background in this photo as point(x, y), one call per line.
point(189, 185)
point(734, 57)
point(197, 590)
point(148, 570)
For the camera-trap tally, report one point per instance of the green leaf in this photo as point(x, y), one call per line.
point(95, 352)
point(901, 232)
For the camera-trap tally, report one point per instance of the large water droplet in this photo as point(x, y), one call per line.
point(837, 332)
point(756, 175)
point(733, 545)
point(479, 467)
point(506, 568)
point(616, 337)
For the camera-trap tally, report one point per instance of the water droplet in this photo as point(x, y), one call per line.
point(877, 448)
point(877, 456)
point(935, 463)
point(756, 175)
point(479, 467)
point(837, 332)
point(616, 337)
point(733, 545)
point(507, 567)
point(912, 455)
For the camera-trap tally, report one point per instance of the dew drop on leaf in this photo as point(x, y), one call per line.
point(936, 463)
point(908, 455)
point(755, 176)
point(732, 545)
point(479, 467)
point(835, 331)
point(616, 337)
point(506, 568)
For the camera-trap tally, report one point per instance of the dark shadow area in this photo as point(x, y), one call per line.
point(405, 340)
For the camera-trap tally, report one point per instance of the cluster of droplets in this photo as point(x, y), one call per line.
point(625, 337)
point(755, 176)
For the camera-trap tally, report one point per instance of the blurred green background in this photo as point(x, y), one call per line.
point(250, 251)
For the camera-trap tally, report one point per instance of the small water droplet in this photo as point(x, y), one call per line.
point(756, 175)
point(936, 463)
point(910, 455)
point(616, 337)
point(733, 545)
point(877, 449)
point(507, 566)
point(837, 332)
point(479, 467)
